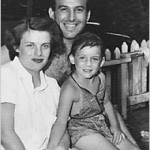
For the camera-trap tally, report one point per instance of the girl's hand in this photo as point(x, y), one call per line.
point(118, 136)
point(56, 148)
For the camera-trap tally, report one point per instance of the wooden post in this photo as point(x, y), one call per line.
point(124, 89)
point(108, 74)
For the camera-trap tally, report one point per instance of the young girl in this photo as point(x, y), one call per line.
point(83, 98)
point(29, 98)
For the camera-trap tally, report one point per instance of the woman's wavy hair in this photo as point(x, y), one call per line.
point(13, 37)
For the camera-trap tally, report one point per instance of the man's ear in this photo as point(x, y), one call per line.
point(102, 62)
point(88, 16)
point(71, 58)
point(51, 13)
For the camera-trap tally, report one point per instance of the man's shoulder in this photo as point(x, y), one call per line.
point(4, 55)
point(50, 80)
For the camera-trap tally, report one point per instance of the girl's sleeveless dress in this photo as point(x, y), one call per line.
point(92, 117)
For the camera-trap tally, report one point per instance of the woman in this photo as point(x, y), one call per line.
point(29, 98)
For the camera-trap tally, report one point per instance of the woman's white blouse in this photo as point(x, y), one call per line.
point(35, 108)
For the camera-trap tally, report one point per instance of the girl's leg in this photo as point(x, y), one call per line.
point(95, 142)
point(127, 145)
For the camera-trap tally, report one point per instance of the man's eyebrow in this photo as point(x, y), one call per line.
point(60, 6)
point(80, 7)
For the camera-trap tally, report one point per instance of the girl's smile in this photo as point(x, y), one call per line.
point(87, 61)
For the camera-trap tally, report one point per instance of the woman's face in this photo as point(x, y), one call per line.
point(34, 50)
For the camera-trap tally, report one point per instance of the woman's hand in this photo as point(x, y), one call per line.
point(118, 136)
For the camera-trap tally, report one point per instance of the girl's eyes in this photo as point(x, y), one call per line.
point(92, 59)
point(46, 46)
point(95, 59)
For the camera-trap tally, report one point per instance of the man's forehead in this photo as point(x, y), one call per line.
point(71, 3)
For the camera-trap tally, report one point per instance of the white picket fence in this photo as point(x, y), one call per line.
point(127, 79)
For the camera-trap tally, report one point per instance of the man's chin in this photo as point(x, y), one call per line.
point(70, 36)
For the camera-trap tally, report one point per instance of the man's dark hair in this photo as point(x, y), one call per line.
point(53, 4)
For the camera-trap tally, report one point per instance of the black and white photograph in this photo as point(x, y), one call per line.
point(75, 74)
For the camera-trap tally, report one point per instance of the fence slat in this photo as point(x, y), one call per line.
point(143, 44)
point(124, 48)
point(134, 46)
point(117, 53)
point(144, 75)
point(107, 54)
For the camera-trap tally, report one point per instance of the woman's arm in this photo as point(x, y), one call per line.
point(9, 138)
point(65, 141)
point(59, 128)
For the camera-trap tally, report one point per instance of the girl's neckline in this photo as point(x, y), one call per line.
point(87, 90)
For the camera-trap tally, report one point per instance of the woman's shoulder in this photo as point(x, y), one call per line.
point(51, 81)
point(8, 70)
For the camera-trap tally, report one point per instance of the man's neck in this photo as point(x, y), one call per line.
point(68, 44)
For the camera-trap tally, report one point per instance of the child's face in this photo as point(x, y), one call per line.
point(34, 50)
point(87, 61)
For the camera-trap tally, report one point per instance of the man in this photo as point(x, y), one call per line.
point(71, 16)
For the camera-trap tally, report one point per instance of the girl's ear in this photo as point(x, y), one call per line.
point(16, 49)
point(71, 58)
point(88, 16)
point(102, 62)
point(51, 13)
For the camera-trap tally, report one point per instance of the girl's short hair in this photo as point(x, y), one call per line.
point(86, 39)
point(13, 37)
point(83, 40)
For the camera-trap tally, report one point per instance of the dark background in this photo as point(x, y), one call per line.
point(127, 17)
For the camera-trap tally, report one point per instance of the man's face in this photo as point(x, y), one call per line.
point(71, 16)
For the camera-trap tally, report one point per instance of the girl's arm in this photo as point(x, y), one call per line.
point(111, 114)
point(59, 128)
point(9, 138)
point(118, 136)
